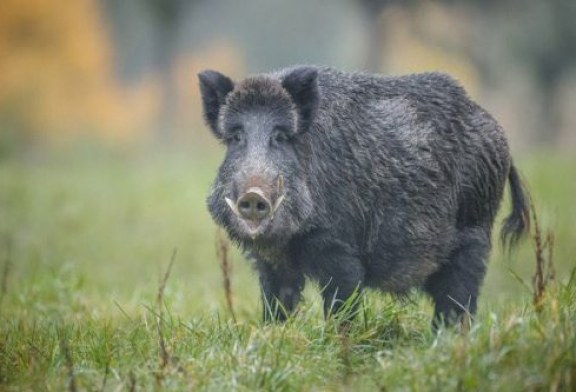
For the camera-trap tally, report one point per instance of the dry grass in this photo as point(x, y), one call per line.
point(7, 267)
point(222, 254)
point(544, 273)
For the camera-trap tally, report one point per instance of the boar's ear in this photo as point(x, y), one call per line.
point(214, 87)
point(302, 86)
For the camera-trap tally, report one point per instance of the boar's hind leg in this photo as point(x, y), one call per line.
point(455, 286)
point(281, 289)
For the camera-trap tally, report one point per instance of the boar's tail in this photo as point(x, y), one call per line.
point(518, 222)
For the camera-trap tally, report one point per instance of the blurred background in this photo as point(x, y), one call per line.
point(105, 162)
point(125, 70)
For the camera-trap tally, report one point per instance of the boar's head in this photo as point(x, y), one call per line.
point(261, 192)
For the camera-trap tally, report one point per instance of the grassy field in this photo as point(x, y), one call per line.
point(86, 237)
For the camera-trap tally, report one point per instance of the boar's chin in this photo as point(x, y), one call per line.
point(276, 230)
point(271, 230)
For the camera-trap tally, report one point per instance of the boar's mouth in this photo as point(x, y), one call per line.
point(255, 208)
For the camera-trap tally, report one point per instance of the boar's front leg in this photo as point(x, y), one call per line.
point(340, 274)
point(341, 290)
point(281, 288)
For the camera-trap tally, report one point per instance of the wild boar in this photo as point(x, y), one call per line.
point(360, 181)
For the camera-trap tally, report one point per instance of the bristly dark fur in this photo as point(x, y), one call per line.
point(387, 182)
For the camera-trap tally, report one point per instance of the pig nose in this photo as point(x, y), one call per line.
point(253, 205)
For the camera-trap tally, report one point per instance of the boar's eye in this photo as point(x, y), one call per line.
point(236, 135)
point(280, 135)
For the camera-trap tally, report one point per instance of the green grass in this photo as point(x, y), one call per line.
point(86, 236)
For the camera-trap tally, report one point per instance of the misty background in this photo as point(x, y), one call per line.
point(123, 72)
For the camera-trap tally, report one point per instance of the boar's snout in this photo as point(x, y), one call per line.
point(257, 205)
point(254, 205)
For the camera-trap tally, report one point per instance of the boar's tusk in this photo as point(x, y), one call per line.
point(277, 204)
point(232, 206)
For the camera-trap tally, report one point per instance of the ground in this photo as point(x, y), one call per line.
point(86, 238)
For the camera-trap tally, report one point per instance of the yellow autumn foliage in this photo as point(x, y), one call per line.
point(56, 76)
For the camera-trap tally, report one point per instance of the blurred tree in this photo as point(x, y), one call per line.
point(546, 44)
point(539, 35)
point(146, 36)
point(372, 11)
